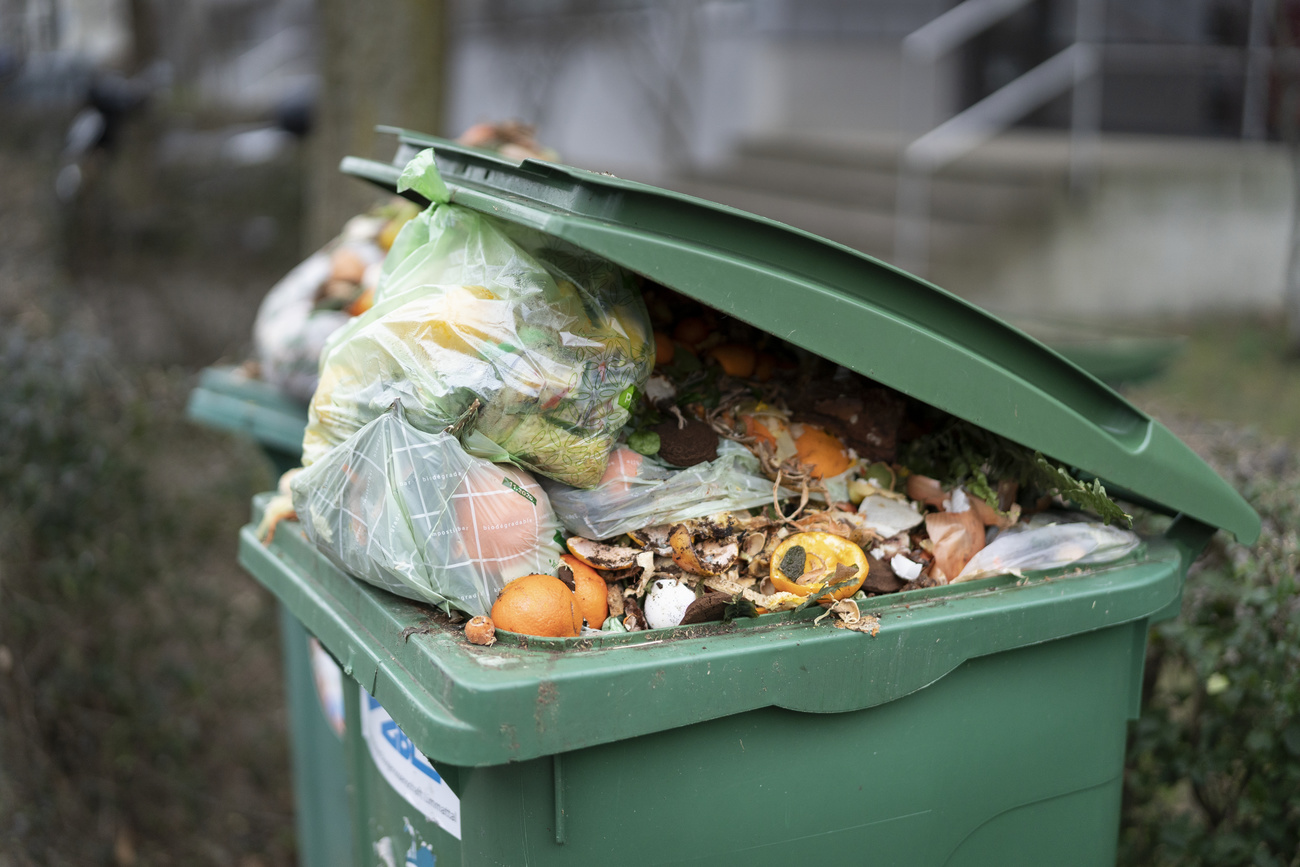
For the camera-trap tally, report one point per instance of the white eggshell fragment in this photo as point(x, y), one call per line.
point(904, 568)
point(888, 516)
point(666, 603)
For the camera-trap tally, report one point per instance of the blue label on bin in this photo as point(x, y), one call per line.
point(406, 769)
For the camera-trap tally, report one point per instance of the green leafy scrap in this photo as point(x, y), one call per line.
point(849, 573)
point(1087, 495)
point(965, 454)
point(739, 607)
point(644, 442)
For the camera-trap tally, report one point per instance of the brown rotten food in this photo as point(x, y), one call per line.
point(686, 445)
point(481, 630)
point(865, 416)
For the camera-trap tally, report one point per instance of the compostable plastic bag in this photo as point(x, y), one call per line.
point(1052, 546)
point(319, 296)
point(639, 492)
point(412, 513)
point(551, 342)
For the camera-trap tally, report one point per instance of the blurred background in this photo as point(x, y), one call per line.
point(1117, 178)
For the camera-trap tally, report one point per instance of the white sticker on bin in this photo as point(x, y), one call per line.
point(406, 769)
point(329, 686)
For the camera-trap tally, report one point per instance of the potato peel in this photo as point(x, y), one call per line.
point(718, 555)
point(598, 555)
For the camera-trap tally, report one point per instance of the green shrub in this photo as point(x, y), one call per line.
point(141, 707)
point(1213, 773)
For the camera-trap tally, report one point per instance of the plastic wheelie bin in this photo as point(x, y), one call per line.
point(227, 399)
point(984, 724)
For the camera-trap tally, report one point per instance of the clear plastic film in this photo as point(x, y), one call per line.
point(1029, 548)
point(318, 297)
point(550, 341)
point(637, 492)
point(413, 513)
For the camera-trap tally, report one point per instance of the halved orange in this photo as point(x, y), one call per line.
point(805, 563)
point(590, 590)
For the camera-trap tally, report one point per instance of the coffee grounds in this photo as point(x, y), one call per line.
point(688, 446)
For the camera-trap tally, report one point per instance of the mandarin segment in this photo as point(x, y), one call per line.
point(663, 349)
point(823, 452)
point(735, 360)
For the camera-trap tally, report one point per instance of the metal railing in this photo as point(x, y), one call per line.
point(1076, 69)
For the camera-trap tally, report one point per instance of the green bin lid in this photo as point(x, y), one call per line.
point(226, 399)
point(850, 308)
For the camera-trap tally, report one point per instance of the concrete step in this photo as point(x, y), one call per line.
point(971, 200)
point(1017, 157)
point(844, 187)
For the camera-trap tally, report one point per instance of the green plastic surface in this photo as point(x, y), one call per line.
point(1116, 353)
point(471, 706)
point(850, 308)
point(1011, 759)
point(225, 399)
point(985, 724)
point(322, 807)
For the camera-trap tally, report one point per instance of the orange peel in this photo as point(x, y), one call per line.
point(823, 554)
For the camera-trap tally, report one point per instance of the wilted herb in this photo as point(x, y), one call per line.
point(792, 564)
point(966, 454)
point(844, 575)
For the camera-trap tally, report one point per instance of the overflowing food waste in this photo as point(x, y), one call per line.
point(554, 446)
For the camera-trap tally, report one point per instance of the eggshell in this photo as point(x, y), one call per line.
point(666, 603)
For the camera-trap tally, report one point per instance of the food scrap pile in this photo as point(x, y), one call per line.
point(525, 433)
point(867, 492)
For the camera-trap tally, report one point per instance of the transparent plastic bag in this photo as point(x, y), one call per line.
point(552, 342)
point(1050, 546)
point(318, 297)
point(412, 513)
point(637, 492)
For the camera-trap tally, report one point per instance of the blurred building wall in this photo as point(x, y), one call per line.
point(647, 87)
point(1173, 227)
point(1184, 216)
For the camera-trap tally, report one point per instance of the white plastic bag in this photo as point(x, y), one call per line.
point(319, 296)
point(412, 513)
point(640, 492)
point(1049, 547)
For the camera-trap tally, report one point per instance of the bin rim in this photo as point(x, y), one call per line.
point(469, 706)
point(853, 309)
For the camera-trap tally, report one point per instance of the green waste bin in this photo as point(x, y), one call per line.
point(985, 724)
point(227, 399)
point(1116, 354)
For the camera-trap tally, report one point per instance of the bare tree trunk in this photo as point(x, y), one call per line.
point(1289, 122)
point(382, 62)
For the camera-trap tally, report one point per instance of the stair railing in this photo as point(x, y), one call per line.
point(1076, 69)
